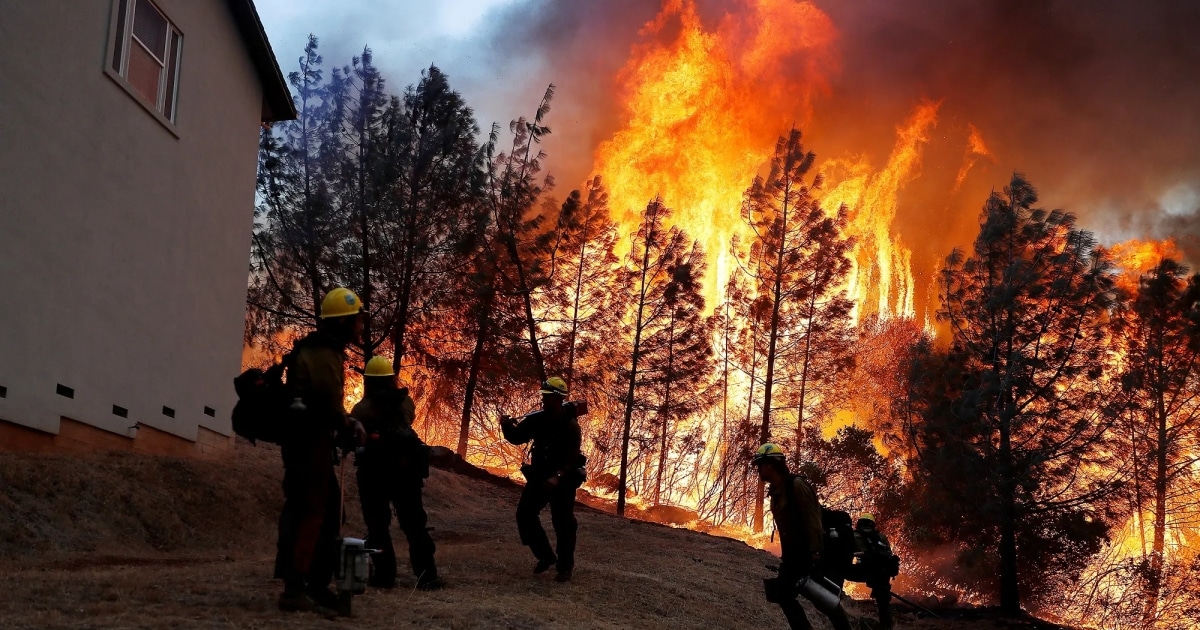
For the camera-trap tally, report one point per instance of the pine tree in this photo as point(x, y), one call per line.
point(435, 205)
point(297, 227)
point(1026, 424)
point(676, 361)
point(513, 192)
point(656, 251)
point(1160, 379)
point(797, 259)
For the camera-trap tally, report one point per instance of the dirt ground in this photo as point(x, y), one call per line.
point(130, 541)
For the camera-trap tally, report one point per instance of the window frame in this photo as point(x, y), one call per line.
point(169, 84)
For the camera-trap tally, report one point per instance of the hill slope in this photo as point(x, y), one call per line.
point(131, 541)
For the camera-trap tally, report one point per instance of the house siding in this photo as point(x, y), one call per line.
point(123, 246)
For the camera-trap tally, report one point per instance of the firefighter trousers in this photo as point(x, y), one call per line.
point(379, 491)
point(561, 499)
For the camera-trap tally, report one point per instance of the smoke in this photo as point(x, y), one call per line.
point(1097, 101)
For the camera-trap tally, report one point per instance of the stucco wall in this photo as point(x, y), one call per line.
point(123, 248)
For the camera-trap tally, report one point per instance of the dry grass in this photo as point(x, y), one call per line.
point(129, 541)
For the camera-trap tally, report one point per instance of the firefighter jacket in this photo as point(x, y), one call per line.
point(392, 445)
point(317, 376)
point(556, 442)
point(386, 412)
point(797, 516)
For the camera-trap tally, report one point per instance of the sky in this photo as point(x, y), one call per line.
point(449, 33)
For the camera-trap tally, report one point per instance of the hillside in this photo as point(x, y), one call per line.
point(129, 541)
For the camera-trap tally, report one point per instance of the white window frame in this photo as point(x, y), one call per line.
point(118, 51)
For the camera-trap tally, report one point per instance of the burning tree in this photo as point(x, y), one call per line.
point(1159, 436)
point(583, 306)
point(797, 260)
point(660, 260)
point(1014, 442)
point(506, 270)
point(676, 362)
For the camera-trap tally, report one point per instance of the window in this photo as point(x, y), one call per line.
point(146, 53)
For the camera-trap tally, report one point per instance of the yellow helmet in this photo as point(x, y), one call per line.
point(768, 452)
point(555, 385)
point(379, 366)
point(867, 517)
point(340, 302)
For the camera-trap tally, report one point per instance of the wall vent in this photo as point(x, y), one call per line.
point(3, 392)
point(168, 412)
point(120, 411)
point(65, 392)
point(210, 412)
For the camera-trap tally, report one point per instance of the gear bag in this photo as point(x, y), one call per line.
point(838, 533)
point(879, 558)
point(264, 404)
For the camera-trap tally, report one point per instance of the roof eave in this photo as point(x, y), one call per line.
point(277, 98)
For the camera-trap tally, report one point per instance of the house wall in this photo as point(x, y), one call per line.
point(123, 244)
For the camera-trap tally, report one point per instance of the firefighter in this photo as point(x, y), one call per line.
point(308, 551)
point(876, 566)
point(797, 516)
point(392, 468)
point(551, 477)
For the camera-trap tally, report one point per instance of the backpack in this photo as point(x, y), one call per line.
point(878, 557)
point(838, 532)
point(263, 405)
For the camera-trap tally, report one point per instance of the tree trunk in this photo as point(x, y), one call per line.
point(575, 308)
point(812, 303)
point(665, 412)
point(400, 330)
point(1154, 580)
point(723, 447)
point(527, 296)
point(623, 478)
point(1010, 595)
point(484, 321)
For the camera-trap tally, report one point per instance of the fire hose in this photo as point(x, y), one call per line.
point(917, 606)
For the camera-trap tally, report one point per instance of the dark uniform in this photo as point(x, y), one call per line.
point(391, 472)
point(551, 478)
point(874, 554)
point(308, 528)
point(797, 516)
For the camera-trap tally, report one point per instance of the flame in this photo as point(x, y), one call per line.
point(702, 115)
point(1136, 256)
point(881, 281)
point(703, 112)
point(975, 150)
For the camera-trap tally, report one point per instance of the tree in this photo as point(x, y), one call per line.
point(797, 260)
point(294, 245)
point(362, 181)
point(506, 262)
point(513, 191)
point(435, 205)
point(583, 291)
point(655, 253)
point(1028, 316)
point(1160, 388)
point(676, 362)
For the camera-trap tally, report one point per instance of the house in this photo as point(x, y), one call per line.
point(128, 152)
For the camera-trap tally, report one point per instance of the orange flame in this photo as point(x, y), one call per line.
point(975, 150)
point(882, 280)
point(702, 115)
point(703, 111)
point(1136, 257)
